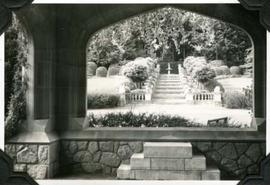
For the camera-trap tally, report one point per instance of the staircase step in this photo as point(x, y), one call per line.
point(168, 96)
point(167, 87)
point(168, 150)
point(137, 161)
point(169, 101)
point(197, 162)
point(170, 91)
point(167, 175)
point(168, 84)
point(211, 173)
point(124, 172)
point(167, 164)
point(169, 81)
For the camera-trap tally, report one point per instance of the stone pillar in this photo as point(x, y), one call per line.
point(189, 96)
point(217, 95)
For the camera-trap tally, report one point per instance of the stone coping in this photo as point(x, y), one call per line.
point(166, 134)
point(35, 137)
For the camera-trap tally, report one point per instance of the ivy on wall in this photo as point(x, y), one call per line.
point(15, 78)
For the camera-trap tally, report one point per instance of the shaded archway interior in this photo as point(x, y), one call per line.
point(61, 32)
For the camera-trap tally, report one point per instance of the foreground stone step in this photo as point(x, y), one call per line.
point(167, 150)
point(212, 173)
point(167, 164)
point(168, 84)
point(137, 161)
point(197, 162)
point(167, 175)
point(124, 172)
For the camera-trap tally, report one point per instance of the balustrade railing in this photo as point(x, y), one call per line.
point(144, 91)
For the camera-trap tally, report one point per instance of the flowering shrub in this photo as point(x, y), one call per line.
point(139, 69)
point(134, 71)
point(194, 63)
point(204, 74)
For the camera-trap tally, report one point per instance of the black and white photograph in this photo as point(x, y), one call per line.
point(135, 91)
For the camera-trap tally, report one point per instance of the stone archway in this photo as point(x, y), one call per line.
point(60, 34)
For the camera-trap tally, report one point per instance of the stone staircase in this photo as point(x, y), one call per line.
point(167, 161)
point(169, 90)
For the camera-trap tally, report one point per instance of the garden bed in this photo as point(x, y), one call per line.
point(130, 119)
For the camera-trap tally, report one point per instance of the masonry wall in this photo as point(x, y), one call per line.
point(234, 159)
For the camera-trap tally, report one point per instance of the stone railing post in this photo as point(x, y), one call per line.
point(148, 93)
point(122, 93)
point(189, 95)
point(217, 95)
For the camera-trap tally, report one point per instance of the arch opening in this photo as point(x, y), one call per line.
point(171, 62)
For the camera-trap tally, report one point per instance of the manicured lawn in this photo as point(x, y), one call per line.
point(235, 84)
point(103, 85)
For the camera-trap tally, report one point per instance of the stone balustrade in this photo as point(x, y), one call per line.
point(144, 94)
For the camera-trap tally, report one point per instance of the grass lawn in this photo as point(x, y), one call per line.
point(235, 84)
point(105, 85)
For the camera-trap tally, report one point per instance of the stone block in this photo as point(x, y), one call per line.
point(211, 174)
point(28, 155)
point(37, 171)
point(136, 146)
point(92, 146)
point(20, 168)
point(124, 152)
point(106, 146)
point(195, 163)
point(167, 164)
point(82, 156)
point(91, 167)
point(167, 175)
point(82, 145)
point(167, 150)
point(110, 159)
point(137, 161)
point(43, 154)
point(124, 172)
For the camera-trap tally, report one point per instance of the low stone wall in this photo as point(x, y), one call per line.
point(234, 159)
point(96, 156)
point(40, 161)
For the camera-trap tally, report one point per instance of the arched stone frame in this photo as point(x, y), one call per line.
point(77, 114)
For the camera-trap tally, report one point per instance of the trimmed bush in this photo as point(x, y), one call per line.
point(204, 74)
point(225, 70)
point(101, 72)
point(129, 119)
point(91, 68)
point(216, 63)
point(235, 70)
point(98, 101)
point(113, 70)
point(136, 71)
point(235, 100)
